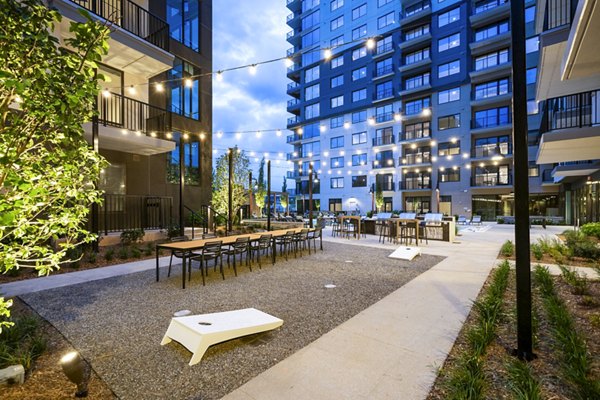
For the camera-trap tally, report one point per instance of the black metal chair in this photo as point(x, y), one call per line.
point(241, 246)
point(314, 235)
point(210, 251)
point(285, 243)
point(336, 228)
point(177, 253)
point(301, 241)
point(263, 244)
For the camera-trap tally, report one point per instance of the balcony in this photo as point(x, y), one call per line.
point(415, 12)
point(492, 151)
point(494, 72)
point(382, 95)
point(383, 49)
point(415, 65)
point(293, 106)
point(387, 186)
point(422, 134)
point(416, 159)
point(490, 44)
point(293, 120)
point(487, 180)
point(293, 71)
point(294, 5)
point(574, 169)
point(132, 126)
point(383, 140)
point(422, 183)
point(570, 128)
point(415, 41)
point(384, 117)
point(293, 87)
point(293, 138)
point(491, 124)
point(383, 71)
point(488, 11)
point(384, 163)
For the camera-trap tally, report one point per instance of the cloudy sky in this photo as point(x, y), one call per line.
point(247, 32)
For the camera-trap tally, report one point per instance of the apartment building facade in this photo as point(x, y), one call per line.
point(414, 101)
point(152, 106)
point(569, 87)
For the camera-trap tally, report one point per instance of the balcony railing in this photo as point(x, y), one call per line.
point(490, 122)
point(293, 120)
point(485, 151)
point(492, 180)
point(559, 13)
point(126, 113)
point(486, 5)
point(387, 186)
point(384, 117)
point(292, 86)
point(384, 48)
point(574, 111)
point(418, 134)
point(415, 8)
point(385, 163)
point(132, 18)
point(120, 212)
point(293, 103)
point(383, 140)
point(417, 158)
point(384, 94)
point(416, 183)
point(388, 69)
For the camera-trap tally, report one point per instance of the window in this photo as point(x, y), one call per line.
point(486, 5)
point(184, 100)
point(312, 147)
point(335, 205)
point(311, 20)
point(534, 170)
point(416, 56)
point(417, 81)
point(337, 62)
point(359, 11)
point(449, 174)
point(384, 159)
point(531, 76)
point(336, 162)
point(311, 74)
point(386, 20)
point(359, 181)
point(337, 81)
point(492, 30)
point(492, 146)
point(359, 73)
point(416, 106)
point(384, 113)
point(491, 89)
point(449, 122)
point(384, 90)
point(337, 23)
point(312, 111)
point(449, 148)
point(359, 159)
point(311, 130)
point(336, 122)
point(530, 14)
point(337, 183)
point(337, 101)
point(417, 131)
point(381, 3)
point(415, 8)
point(532, 44)
point(311, 38)
point(184, 22)
point(311, 92)
point(491, 117)
point(359, 95)
point(309, 4)
point(335, 4)
point(491, 59)
point(384, 67)
point(337, 41)
point(532, 107)
point(359, 32)
point(448, 95)
point(191, 158)
point(359, 116)
point(416, 32)
point(449, 17)
point(359, 53)
point(448, 69)
point(310, 57)
point(449, 42)
point(384, 45)
point(359, 138)
point(383, 136)
point(336, 142)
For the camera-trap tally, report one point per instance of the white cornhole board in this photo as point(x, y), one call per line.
point(198, 332)
point(406, 253)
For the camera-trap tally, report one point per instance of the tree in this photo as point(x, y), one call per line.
point(284, 187)
point(220, 199)
point(47, 168)
point(261, 190)
point(378, 196)
point(284, 196)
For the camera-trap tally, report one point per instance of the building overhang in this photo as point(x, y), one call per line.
point(573, 144)
point(110, 138)
point(563, 171)
point(581, 56)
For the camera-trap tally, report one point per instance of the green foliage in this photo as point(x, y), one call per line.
point(46, 165)
point(109, 254)
point(595, 320)
point(577, 282)
point(220, 198)
point(124, 253)
point(173, 230)
point(132, 236)
point(284, 200)
point(591, 229)
point(581, 245)
point(507, 249)
point(574, 358)
point(92, 257)
point(21, 344)
point(500, 220)
point(136, 252)
point(378, 196)
point(370, 214)
point(149, 249)
point(537, 251)
point(521, 382)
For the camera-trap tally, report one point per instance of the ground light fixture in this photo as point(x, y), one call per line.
point(78, 371)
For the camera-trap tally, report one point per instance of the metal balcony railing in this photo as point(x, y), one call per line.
point(383, 140)
point(384, 94)
point(417, 158)
point(126, 113)
point(384, 117)
point(384, 48)
point(415, 8)
point(559, 13)
point(486, 5)
point(416, 183)
point(492, 180)
point(293, 103)
point(573, 111)
point(388, 69)
point(487, 151)
point(387, 186)
point(293, 120)
point(132, 18)
point(121, 212)
point(384, 163)
point(292, 86)
point(416, 134)
point(491, 121)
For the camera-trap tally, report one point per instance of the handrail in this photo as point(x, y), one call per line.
point(208, 208)
point(201, 217)
point(123, 112)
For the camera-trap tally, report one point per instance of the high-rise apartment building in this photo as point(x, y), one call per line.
point(415, 101)
point(569, 86)
point(152, 106)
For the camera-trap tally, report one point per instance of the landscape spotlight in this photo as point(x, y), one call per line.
point(78, 372)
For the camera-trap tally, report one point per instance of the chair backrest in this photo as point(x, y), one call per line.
point(179, 239)
point(461, 218)
point(384, 215)
point(212, 247)
point(241, 243)
point(265, 239)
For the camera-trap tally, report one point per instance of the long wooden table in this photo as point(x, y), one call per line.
point(187, 247)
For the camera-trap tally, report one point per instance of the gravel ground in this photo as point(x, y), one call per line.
point(118, 323)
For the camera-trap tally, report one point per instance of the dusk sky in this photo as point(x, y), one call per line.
point(247, 32)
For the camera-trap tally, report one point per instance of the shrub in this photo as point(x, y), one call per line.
point(507, 249)
point(109, 254)
point(581, 245)
point(75, 255)
point(22, 343)
point(173, 230)
point(124, 253)
point(591, 229)
point(500, 220)
point(149, 249)
point(578, 283)
point(132, 236)
point(136, 252)
point(92, 257)
point(595, 320)
point(537, 251)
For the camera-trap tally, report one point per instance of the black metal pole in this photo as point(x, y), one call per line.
point(95, 209)
point(520, 158)
point(310, 200)
point(230, 194)
point(181, 184)
point(268, 195)
point(250, 194)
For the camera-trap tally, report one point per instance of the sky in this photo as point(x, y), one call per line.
point(247, 32)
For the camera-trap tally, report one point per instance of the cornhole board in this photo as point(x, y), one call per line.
point(197, 332)
point(406, 252)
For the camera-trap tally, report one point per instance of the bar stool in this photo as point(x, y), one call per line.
point(335, 227)
point(384, 230)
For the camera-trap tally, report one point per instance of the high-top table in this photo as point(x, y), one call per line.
point(350, 218)
point(399, 221)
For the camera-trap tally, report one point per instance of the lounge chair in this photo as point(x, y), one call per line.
point(461, 220)
point(476, 219)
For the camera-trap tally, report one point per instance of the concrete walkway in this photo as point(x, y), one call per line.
point(391, 350)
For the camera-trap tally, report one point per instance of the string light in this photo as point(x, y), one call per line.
point(131, 90)
point(252, 69)
point(327, 54)
point(370, 43)
point(159, 87)
point(105, 94)
point(220, 76)
point(278, 132)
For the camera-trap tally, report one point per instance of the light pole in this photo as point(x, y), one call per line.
point(268, 195)
point(372, 191)
point(230, 192)
point(310, 194)
point(250, 194)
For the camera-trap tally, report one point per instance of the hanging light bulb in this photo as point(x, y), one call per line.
point(202, 136)
point(327, 54)
point(215, 151)
point(219, 76)
point(426, 112)
point(372, 121)
point(289, 62)
point(397, 117)
point(186, 136)
point(188, 83)
point(370, 43)
point(169, 135)
point(322, 128)
point(299, 131)
point(278, 133)
point(159, 87)
point(105, 94)
point(432, 143)
point(346, 125)
point(258, 134)
point(238, 135)
point(220, 134)
point(153, 134)
point(252, 69)
point(131, 90)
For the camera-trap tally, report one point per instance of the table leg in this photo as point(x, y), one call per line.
point(358, 229)
point(156, 263)
point(273, 250)
point(183, 270)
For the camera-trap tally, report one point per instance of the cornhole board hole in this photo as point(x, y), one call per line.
point(406, 253)
point(197, 332)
